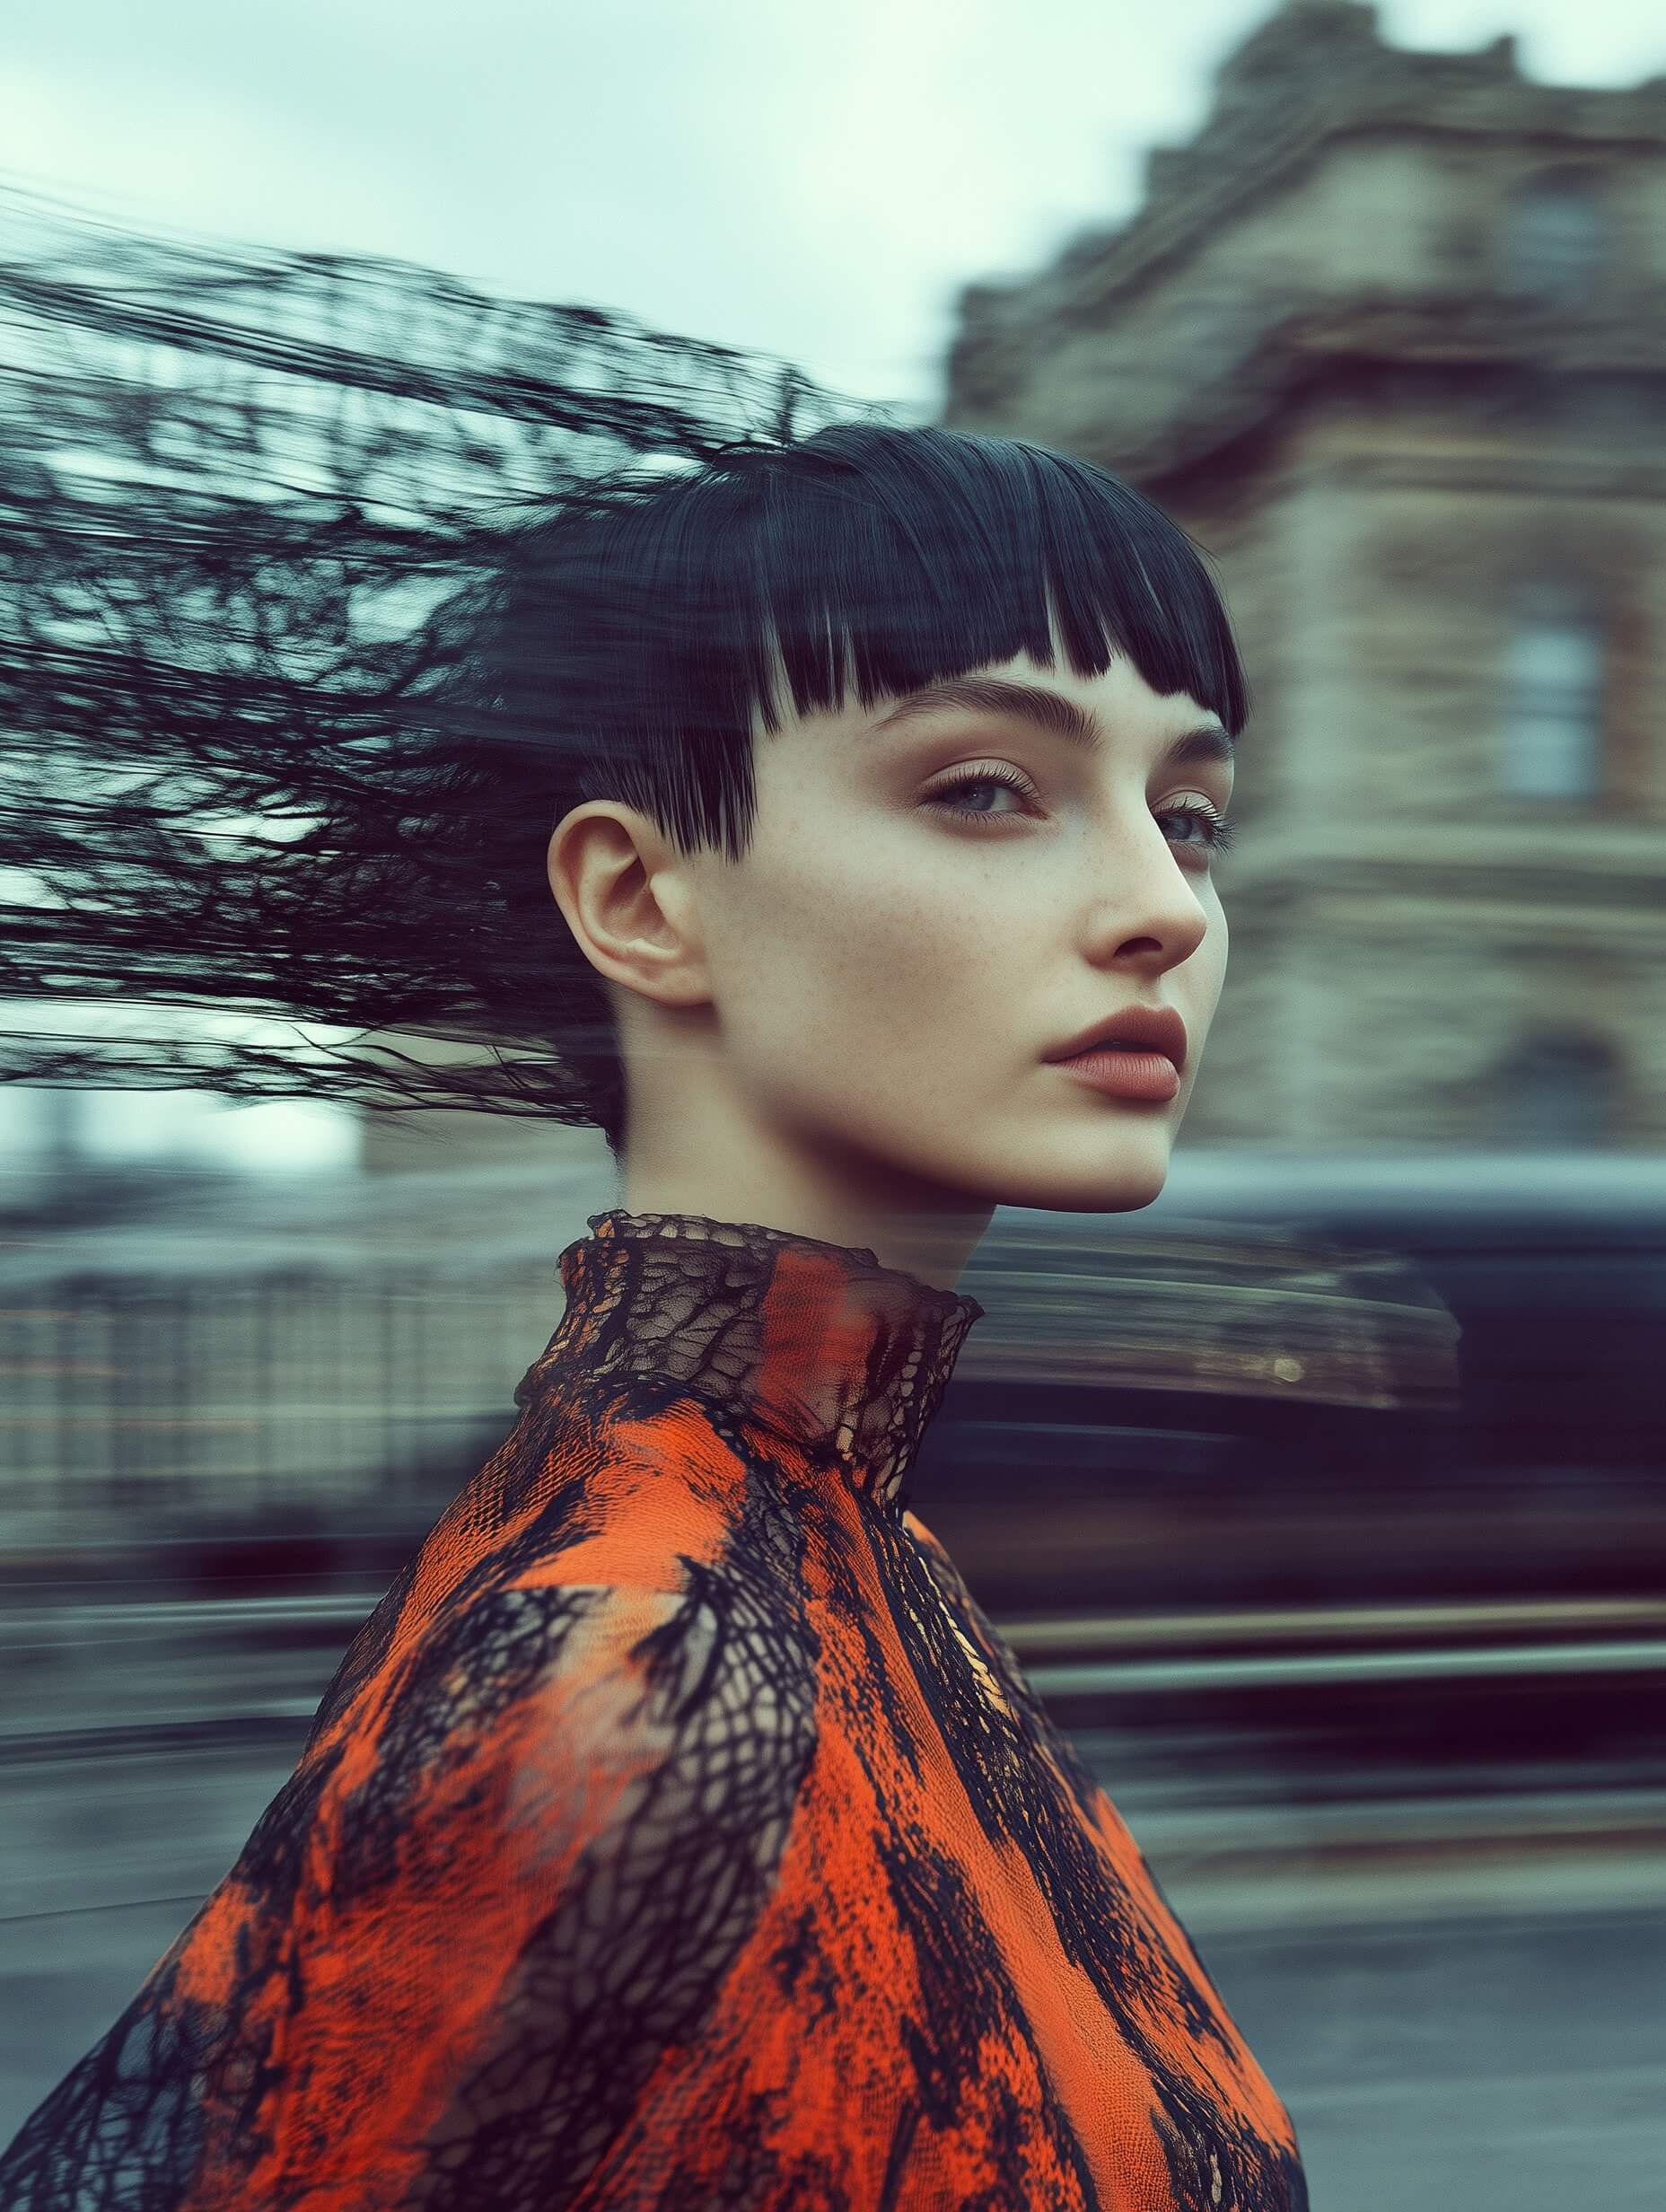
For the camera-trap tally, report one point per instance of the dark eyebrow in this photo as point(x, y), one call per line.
point(1048, 710)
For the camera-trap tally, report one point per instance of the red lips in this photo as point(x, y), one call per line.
point(1152, 1029)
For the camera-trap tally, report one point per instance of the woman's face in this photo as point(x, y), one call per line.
point(938, 894)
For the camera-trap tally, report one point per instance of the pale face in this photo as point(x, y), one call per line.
point(847, 1032)
point(894, 957)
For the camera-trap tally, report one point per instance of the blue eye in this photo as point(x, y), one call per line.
point(1214, 833)
point(1218, 833)
point(946, 793)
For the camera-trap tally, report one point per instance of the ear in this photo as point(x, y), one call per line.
point(625, 892)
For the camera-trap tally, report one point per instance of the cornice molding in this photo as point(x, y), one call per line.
point(1311, 348)
point(1377, 921)
point(1531, 837)
point(1546, 476)
point(1618, 894)
point(1311, 77)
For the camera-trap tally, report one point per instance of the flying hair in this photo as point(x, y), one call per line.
point(329, 586)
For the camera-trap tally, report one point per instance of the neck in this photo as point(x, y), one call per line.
point(695, 1142)
point(907, 1222)
point(816, 1344)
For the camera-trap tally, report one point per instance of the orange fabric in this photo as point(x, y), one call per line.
point(679, 1833)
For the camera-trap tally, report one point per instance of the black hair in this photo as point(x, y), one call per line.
point(627, 630)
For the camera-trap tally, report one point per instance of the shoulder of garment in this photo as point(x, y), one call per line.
point(464, 1933)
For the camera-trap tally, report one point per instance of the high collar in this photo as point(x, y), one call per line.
point(817, 1343)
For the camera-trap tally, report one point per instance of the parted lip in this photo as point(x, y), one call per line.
point(1156, 1029)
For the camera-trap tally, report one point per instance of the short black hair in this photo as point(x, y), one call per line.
point(868, 560)
point(634, 643)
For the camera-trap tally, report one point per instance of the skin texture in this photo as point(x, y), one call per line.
point(844, 1033)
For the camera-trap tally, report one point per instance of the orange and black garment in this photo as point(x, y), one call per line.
point(679, 1833)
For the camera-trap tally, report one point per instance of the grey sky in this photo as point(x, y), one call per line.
point(813, 181)
point(816, 182)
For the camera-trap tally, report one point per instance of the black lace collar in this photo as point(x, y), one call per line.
point(818, 1342)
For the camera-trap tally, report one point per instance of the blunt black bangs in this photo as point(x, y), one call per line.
point(881, 559)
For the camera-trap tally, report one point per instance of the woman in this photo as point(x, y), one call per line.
point(677, 1830)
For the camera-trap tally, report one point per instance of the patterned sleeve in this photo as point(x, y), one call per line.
point(461, 1936)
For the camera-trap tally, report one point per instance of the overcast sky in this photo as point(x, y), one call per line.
point(814, 181)
point(818, 181)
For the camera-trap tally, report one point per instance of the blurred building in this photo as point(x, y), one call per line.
point(1389, 336)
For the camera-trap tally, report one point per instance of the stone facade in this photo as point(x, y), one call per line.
point(1390, 338)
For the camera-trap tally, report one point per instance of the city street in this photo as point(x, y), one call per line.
point(578, 1217)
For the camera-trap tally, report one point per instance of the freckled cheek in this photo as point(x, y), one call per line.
point(854, 962)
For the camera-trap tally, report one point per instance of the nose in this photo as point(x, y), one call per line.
point(1150, 912)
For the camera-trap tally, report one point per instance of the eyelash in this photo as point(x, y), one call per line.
point(1217, 842)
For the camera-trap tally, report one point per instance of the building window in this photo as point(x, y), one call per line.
point(1553, 696)
point(1552, 234)
point(1558, 1092)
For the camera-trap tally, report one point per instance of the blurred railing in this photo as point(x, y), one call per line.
point(139, 1409)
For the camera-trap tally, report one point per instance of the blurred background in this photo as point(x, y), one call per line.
point(1323, 1499)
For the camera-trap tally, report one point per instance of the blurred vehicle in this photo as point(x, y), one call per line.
point(1324, 1379)
point(1371, 1448)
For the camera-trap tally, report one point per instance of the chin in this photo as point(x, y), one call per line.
point(1116, 1170)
